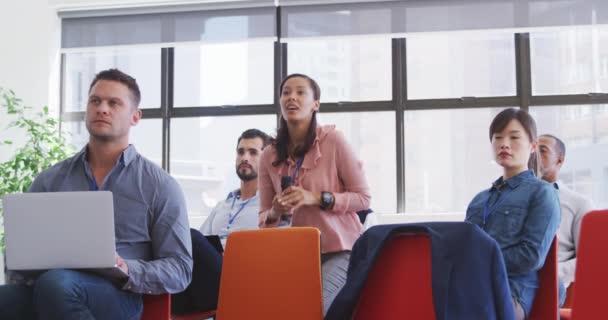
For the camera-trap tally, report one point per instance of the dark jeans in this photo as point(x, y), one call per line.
point(202, 293)
point(69, 294)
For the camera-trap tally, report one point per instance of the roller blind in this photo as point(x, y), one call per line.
point(167, 27)
point(310, 18)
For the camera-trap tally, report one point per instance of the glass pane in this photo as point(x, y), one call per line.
point(351, 69)
point(80, 69)
point(584, 130)
point(224, 74)
point(460, 65)
point(203, 153)
point(569, 61)
point(448, 159)
point(372, 134)
point(604, 199)
point(146, 136)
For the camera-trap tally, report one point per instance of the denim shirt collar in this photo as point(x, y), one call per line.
point(556, 184)
point(514, 181)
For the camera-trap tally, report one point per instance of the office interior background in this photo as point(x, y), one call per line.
point(412, 84)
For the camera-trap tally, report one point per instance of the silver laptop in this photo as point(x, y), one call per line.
point(68, 230)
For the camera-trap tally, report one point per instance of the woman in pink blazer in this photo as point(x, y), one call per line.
point(328, 183)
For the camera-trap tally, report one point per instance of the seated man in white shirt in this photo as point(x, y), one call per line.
point(239, 211)
point(573, 205)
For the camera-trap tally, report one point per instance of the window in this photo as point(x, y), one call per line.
point(602, 109)
point(448, 159)
point(455, 65)
point(352, 69)
point(580, 125)
point(222, 81)
point(584, 157)
point(372, 134)
point(573, 124)
point(604, 201)
point(567, 177)
point(569, 61)
point(143, 64)
point(218, 74)
point(583, 182)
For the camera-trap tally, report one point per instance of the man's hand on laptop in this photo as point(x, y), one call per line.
point(122, 264)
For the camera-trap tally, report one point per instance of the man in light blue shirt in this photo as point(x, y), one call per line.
point(239, 211)
point(151, 225)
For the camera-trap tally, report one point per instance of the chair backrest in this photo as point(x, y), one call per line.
point(569, 293)
point(399, 284)
point(591, 266)
point(271, 274)
point(546, 301)
point(156, 307)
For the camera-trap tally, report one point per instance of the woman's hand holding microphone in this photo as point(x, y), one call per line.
point(291, 198)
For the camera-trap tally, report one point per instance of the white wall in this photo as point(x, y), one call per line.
point(29, 58)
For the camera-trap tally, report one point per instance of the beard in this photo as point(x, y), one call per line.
point(246, 176)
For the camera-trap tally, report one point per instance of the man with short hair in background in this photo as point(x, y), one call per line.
point(573, 205)
point(239, 211)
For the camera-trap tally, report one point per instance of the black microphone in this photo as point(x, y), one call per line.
point(286, 181)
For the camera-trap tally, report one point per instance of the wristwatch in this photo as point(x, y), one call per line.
point(327, 200)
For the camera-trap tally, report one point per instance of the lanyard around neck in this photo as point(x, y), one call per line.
point(298, 166)
point(232, 217)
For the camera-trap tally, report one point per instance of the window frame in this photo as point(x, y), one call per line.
point(398, 104)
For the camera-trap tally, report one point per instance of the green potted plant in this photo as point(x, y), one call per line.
point(42, 147)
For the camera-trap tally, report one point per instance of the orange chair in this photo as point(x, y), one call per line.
point(399, 284)
point(271, 274)
point(156, 307)
point(546, 302)
point(591, 265)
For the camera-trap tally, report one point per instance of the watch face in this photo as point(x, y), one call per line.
point(326, 199)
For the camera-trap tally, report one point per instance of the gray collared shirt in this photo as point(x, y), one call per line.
point(150, 217)
point(231, 215)
point(574, 206)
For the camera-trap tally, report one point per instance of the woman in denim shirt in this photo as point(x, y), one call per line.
point(520, 211)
